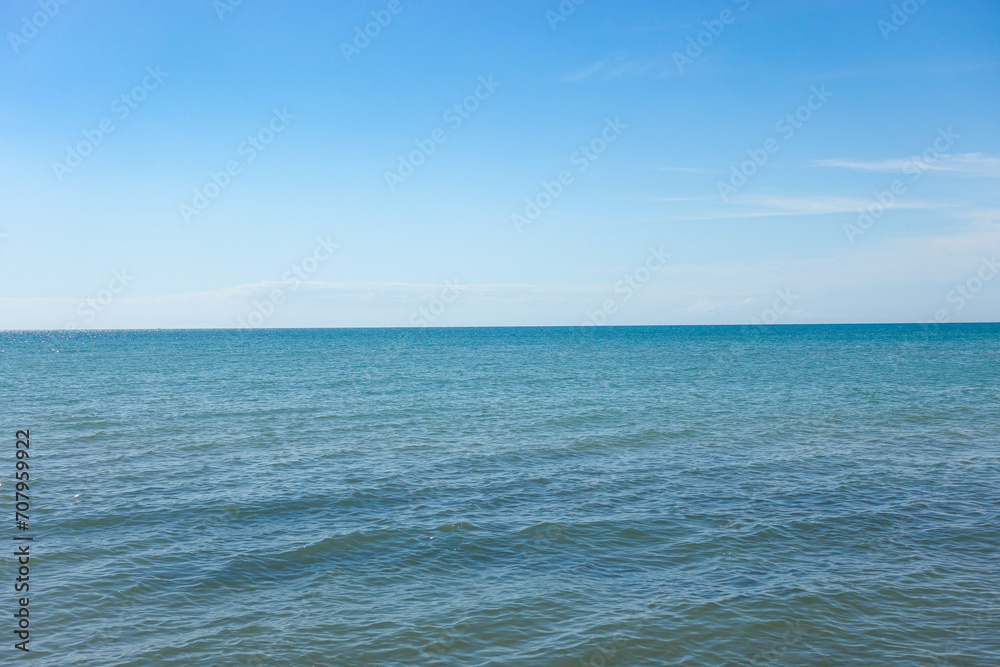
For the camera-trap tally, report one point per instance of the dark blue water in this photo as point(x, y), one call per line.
point(790, 495)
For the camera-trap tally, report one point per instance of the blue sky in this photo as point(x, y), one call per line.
point(644, 109)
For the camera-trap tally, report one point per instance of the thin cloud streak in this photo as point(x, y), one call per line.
point(689, 170)
point(973, 164)
point(623, 67)
point(772, 206)
point(905, 70)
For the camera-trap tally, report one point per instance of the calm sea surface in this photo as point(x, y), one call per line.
point(791, 495)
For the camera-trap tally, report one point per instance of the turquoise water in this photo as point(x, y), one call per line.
point(794, 495)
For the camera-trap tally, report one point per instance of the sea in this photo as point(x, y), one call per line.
point(580, 496)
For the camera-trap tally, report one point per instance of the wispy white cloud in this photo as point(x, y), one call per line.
point(651, 27)
point(823, 205)
point(707, 305)
point(764, 206)
point(621, 66)
point(312, 303)
point(973, 164)
point(987, 219)
point(362, 290)
point(913, 274)
point(690, 170)
point(674, 199)
point(913, 69)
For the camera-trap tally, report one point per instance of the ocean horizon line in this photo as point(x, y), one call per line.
point(785, 325)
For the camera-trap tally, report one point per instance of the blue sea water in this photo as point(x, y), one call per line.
point(787, 495)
